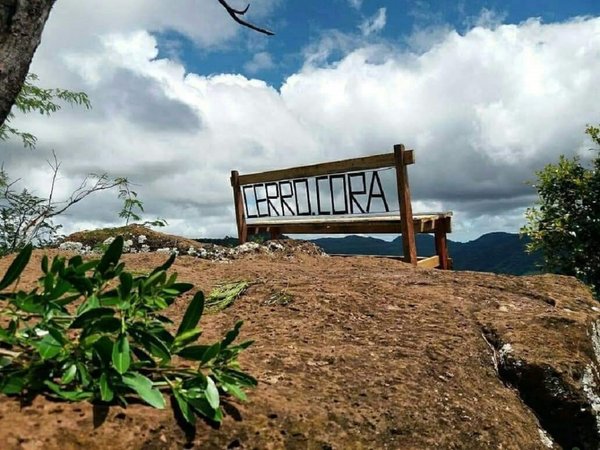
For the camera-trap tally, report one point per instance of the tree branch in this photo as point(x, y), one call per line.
point(236, 13)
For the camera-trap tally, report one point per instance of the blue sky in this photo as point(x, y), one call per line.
point(299, 23)
point(485, 92)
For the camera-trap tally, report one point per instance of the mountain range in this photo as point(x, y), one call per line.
point(497, 252)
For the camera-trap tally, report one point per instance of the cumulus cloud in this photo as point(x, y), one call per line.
point(373, 24)
point(482, 110)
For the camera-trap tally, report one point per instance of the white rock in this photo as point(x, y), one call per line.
point(248, 247)
point(274, 246)
point(142, 238)
point(192, 251)
point(145, 248)
point(164, 250)
point(127, 246)
point(108, 241)
point(72, 246)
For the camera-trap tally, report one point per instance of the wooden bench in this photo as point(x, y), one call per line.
point(344, 220)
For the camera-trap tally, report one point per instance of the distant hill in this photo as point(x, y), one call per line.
point(493, 252)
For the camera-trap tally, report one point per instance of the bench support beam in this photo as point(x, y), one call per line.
point(409, 247)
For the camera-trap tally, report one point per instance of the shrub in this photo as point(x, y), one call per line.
point(93, 331)
point(564, 225)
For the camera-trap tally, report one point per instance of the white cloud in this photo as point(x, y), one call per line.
point(483, 110)
point(374, 23)
point(259, 62)
point(356, 4)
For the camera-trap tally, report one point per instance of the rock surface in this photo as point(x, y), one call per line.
point(357, 353)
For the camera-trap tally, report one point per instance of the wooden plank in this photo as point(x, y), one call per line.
point(238, 201)
point(380, 227)
point(347, 225)
point(362, 218)
point(429, 263)
point(347, 165)
point(408, 231)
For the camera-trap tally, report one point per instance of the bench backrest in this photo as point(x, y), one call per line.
point(399, 159)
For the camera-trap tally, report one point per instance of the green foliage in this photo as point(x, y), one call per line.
point(565, 223)
point(32, 98)
point(93, 331)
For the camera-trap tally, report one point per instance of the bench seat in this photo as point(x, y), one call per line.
point(377, 223)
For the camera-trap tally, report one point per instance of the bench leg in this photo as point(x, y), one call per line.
point(441, 245)
point(275, 233)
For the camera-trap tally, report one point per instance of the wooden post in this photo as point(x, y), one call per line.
point(406, 216)
point(441, 245)
point(238, 201)
point(275, 233)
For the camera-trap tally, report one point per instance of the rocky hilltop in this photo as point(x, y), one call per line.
point(361, 353)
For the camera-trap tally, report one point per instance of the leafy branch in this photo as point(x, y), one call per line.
point(93, 331)
point(33, 98)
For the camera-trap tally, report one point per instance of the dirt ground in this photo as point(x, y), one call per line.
point(357, 353)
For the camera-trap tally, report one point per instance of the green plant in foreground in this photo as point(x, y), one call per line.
point(93, 331)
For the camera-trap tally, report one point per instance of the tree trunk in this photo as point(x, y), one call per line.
point(21, 26)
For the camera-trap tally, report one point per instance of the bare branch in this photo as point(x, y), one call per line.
point(55, 168)
point(236, 13)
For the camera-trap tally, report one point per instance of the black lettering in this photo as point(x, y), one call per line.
point(331, 191)
point(248, 215)
point(304, 181)
point(319, 210)
point(272, 197)
point(352, 192)
point(283, 196)
point(372, 194)
point(259, 201)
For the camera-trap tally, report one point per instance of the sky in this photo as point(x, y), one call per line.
point(485, 92)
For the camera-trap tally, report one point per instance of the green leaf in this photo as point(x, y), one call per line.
point(13, 384)
point(166, 265)
point(106, 392)
point(107, 325)
point(181, 288)
point(211, 353)
point(126, 284)
point(232, 334)
point(48, 347)
point(104, 349)
point(90, 303)
point(45, 264)
point(151, 343)
point(184, 407)
point(186, 337)
point(69, 374)
point(144, 388)
point(193, 352)
point(234, 390)
point(90, 315)
point(111, 256)
point(202, 406)
point(73, 396)
point(84, 375)
point(212, 393)
point(121, 357)
point(192, 314)
point(16, 267)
